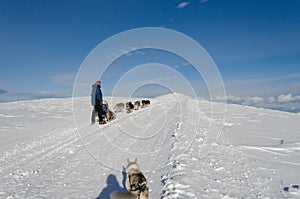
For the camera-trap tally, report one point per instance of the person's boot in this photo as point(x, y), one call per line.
point(102, 122)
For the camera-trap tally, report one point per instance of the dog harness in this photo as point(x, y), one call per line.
point(137, 186)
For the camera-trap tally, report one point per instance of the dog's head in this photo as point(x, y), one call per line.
point(132, 165)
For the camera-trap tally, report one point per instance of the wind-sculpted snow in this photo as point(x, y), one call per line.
point(47, 154)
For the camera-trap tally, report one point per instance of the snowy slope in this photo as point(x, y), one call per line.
point(48, 153)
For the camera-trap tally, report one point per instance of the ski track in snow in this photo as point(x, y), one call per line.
point(223, 173)
point(44, 155)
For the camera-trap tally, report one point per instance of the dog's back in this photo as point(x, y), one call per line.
point(145, 103)
point(136, 182)
point(127, 195)
point(129, 107)
point(119, 107)
point(137, 105)
point(122, 195)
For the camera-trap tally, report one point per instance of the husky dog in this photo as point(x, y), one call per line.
point(109, 115)
point(136, 182)
point(137, 105)
point(145, 103)
point(129, 107)
point(119, 107)
point(128, 195)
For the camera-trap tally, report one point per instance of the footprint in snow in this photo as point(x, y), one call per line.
point(179, 125)
point(293, 189)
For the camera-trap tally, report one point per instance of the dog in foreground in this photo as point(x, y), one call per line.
point(136, 183)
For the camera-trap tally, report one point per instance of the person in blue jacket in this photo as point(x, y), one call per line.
point(93, 102)
point(97, 102)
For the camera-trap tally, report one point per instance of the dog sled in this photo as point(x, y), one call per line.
point(108, 115)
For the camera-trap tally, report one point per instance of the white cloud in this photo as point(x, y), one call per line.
point(65, 79)
point(288, 98)
point(284, 98)
point(273, 86)
point(255, 100)
point(286, 102)
point(203, 1)
point(252, 100)
point(128, 52)
point(237, 100)
point(29, 95)
point(182, 5)
point(267, 79)
point(230, 99)
point(271, 100)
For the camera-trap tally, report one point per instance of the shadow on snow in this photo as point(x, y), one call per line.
point(113, 185)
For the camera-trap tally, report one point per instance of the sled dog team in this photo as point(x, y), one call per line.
point(107, 115)
point(100, 106)
point(130, 106)
point(136, 183)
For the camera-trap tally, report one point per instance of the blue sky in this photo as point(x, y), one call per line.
point(255, 44)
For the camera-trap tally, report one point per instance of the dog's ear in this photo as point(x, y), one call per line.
point(135, 161)
point(128, 161)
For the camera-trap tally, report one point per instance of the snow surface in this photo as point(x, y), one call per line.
point(47, 152)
